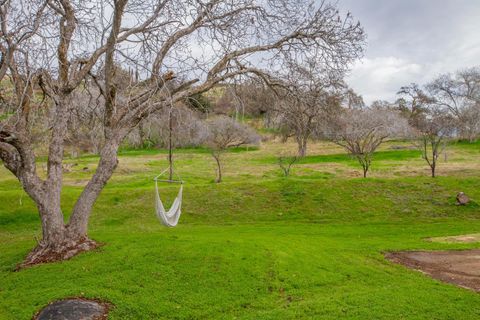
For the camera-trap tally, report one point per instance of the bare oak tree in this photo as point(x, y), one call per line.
point(177, 49)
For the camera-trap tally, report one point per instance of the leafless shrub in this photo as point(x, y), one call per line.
point(286, 162)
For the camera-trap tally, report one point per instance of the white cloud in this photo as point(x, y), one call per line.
point(413, 41)
point(380, 78)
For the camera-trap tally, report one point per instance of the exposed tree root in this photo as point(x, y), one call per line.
point(46, 253)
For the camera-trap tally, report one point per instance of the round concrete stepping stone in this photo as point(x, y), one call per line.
point(73, 309)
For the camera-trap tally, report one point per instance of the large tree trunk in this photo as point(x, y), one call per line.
point(61, 241)
point(57, 243)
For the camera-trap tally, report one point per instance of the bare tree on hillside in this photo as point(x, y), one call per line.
point(302, 120)
point(177, 49)
point(310, 102)
point(433, 132)
point(361, 132)
point(459, 95)
point(225, 133)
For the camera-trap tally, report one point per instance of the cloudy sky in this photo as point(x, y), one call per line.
point(412, 41)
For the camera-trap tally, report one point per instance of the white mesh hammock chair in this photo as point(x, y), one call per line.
point(171, 216)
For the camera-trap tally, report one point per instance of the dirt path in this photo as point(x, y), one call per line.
point(466, 238)
point(461, 268)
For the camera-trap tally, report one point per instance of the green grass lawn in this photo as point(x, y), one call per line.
point(257, 246)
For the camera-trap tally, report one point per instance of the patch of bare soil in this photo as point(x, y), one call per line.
point(461, 268)
point(467, 238)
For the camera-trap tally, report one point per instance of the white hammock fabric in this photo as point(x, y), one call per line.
point(168, 218)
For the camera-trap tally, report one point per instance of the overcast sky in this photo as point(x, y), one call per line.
point(412, 41)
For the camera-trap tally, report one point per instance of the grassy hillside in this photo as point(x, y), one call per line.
point(258, 246)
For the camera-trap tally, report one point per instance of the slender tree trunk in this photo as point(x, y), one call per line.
point(302, 146)
point(219, 167)
point(433, 164)
point(365, 166)
point(364, 163)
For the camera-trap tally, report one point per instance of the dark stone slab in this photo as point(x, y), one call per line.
point(73, 309)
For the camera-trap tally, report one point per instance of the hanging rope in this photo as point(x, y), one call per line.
point(170, 147)
point(171, 216)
